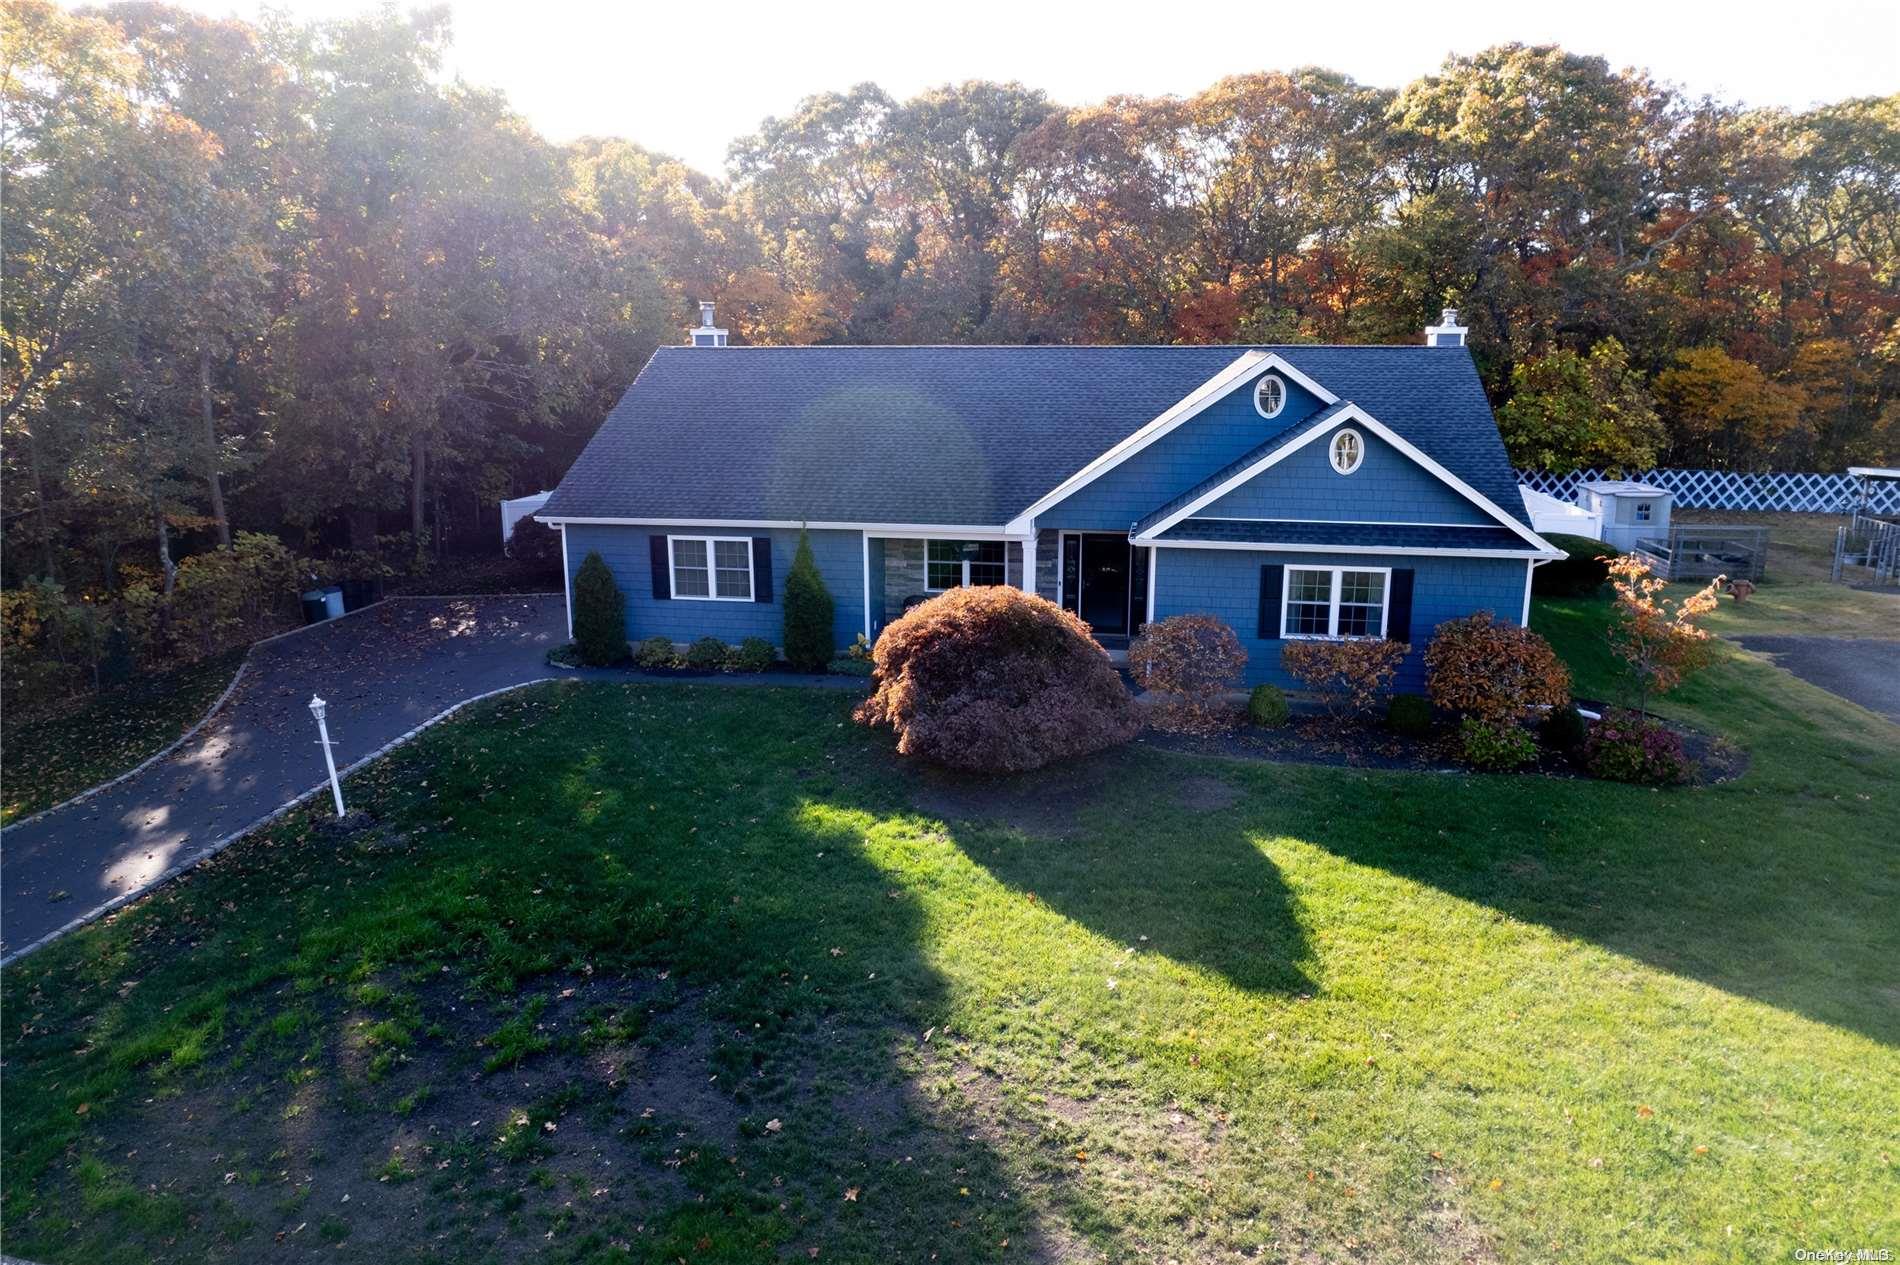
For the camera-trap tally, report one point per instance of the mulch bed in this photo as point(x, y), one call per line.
point(1318, 740)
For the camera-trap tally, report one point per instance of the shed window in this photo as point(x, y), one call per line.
point(712, 568)
point(1335, 602)
point(953, 564)
point(1642, 511)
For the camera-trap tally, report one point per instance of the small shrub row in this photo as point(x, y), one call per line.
point(708, 654)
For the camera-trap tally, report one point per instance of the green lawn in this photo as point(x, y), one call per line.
point(46, 760)
point(780, 994)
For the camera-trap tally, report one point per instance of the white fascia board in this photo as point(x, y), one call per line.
point(1353, 412)
point(1246, 368)
point(914, 531)
point(1408, 550)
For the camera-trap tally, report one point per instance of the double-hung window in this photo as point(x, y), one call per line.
point(1334, 602)
point(952, 564)
point(712, 568)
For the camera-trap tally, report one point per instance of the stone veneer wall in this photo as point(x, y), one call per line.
point(904, 570)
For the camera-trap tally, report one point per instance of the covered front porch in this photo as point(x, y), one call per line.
point(1099, 576)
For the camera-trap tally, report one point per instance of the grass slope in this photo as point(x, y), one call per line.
point(778, 994)
point(49, 759)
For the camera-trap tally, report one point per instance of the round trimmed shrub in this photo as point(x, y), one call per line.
point(1189, 662)
point(1582, 574)
point(996, 680)
point(754, 654)
point(655, 652)
point(600, 618)
point(1409, 714)
point(1564, 729)
point(1488, 745)
point(1626, 747)
point(1266, 706)
point(708, 653)
point(1479, 667)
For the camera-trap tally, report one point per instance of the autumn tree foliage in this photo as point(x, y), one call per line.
point(1189, 663)
point(995, 680)
point(1496, 672)
point(1658, 640)
point(1579, 411)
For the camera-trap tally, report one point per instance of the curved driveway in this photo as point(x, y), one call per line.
point(383, 671)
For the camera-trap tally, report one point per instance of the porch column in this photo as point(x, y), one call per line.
point(1029, 565)
point(867, 584)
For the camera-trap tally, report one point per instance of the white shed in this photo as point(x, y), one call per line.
point(1630, 511)
point(514, 511)
point(1548, 514)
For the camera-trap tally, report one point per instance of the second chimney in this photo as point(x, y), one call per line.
point(707, 335)
point(1448, 332)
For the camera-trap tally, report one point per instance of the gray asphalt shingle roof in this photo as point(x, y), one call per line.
point(1367, 535)
point(956, 435)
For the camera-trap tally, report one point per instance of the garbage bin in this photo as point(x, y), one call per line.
point(360, 593)
point(332, 602)
point(314, 611)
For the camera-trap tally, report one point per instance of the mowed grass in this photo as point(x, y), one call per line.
point(780, 993)
point(47, 759)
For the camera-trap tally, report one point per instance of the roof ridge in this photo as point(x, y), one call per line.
point(1054, 347)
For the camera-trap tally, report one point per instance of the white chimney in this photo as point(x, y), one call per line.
point(707, 335)
point(1448, 332)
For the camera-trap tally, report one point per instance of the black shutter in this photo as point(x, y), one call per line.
point(761, 568)
point(1138, 588)
point(662, 567)
point(1071, 573)
point(1271, 578)
point(1398, 609)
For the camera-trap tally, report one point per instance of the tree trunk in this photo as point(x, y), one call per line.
point(165, 563)
point(418, 493)
point(39, 504)
point(211, 450)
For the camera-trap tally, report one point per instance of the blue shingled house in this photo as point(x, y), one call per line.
point(1293, 491)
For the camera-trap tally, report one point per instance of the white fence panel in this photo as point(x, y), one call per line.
point(1799, 492)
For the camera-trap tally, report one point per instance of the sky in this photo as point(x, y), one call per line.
point(687, 76)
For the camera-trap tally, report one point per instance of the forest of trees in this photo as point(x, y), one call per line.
point(283, 279)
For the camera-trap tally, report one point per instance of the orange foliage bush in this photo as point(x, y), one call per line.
point(1659, 643)
point(1352, 677)
point(1492, 671)
point(994, 679)
point(1190, 662)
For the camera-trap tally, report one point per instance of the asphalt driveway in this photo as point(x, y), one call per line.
point(383, 671)
point(1862, 670)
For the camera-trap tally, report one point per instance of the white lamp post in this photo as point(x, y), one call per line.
point(317, 709)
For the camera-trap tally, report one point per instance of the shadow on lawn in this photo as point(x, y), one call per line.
point(1083, 838)
point(762, 965)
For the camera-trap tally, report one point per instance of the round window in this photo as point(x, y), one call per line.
point(1269, 396)
point(1348, 451)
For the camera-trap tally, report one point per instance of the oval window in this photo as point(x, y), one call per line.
point(1269, 396)
point(1348, 451)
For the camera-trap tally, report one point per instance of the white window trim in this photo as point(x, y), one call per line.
point(1262, 381)
point(712, 569)
point(1332, 614)
point(1359, 450)
point(942, 540)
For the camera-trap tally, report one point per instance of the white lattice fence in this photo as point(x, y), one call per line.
point(1729, 490)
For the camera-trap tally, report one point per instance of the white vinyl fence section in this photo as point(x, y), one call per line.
point(1805, 493)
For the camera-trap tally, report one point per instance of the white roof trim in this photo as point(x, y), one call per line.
point(1247, 367)
point(1375, 550)
point(920, 530)
point(1352, 412)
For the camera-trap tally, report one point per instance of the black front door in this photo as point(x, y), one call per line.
point(1105, 583)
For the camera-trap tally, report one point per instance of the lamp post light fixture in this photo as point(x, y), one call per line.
point(317, 708)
